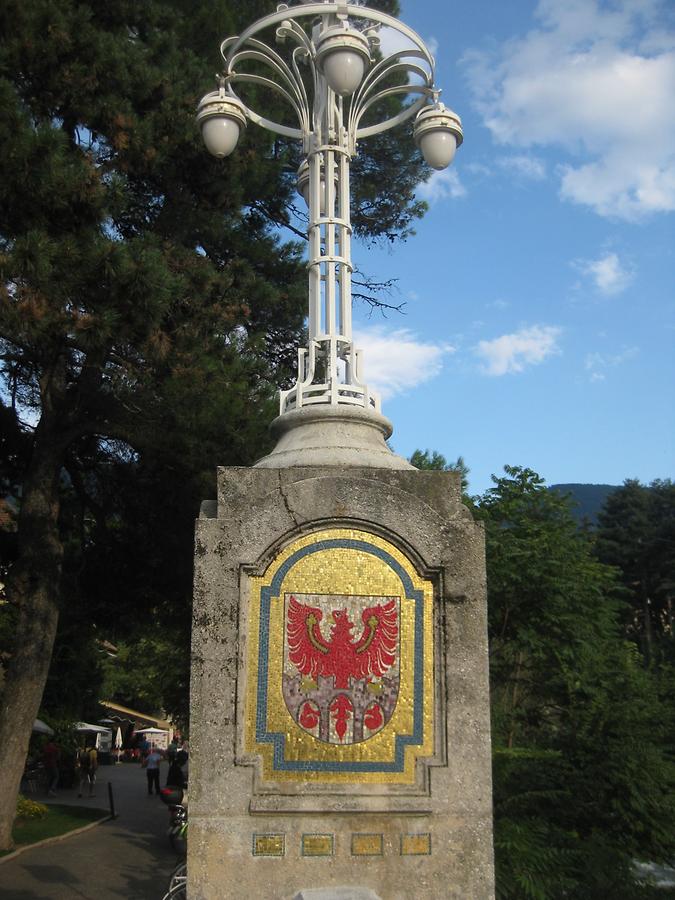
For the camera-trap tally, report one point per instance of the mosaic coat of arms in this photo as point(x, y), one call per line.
point(340, 676)
point(341, 685)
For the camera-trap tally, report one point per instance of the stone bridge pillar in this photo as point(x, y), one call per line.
point(340, 716)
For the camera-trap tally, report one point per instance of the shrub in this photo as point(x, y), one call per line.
point(30, 809)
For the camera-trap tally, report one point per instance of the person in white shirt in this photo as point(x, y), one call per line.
point(151, 764)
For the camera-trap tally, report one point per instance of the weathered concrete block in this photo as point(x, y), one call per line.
point(340, 717)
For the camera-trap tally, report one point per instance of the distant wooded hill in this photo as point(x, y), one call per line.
point(587, 499)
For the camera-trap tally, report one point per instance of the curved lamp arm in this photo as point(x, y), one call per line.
point(329, 82)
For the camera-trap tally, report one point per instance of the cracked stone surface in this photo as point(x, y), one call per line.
point(258, 512)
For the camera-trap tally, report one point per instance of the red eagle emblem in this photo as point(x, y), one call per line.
point(342, 657)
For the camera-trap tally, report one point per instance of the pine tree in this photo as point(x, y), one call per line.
point(636, 533)
point(583, 781)
point(147, 303)
point(435, 461)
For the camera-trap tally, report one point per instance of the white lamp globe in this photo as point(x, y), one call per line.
point(344, 71)
point(221, 118)
point(302, 186)
point(303, 181)
point(342, 55)
point(221, 135)
point(438, 134)
point(438, 148)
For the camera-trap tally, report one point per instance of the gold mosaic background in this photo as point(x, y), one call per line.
point(340, 571)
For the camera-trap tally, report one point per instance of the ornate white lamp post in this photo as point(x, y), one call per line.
point(325, 742)
point(332, 77)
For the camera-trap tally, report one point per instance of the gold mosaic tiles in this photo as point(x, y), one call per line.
point(340, 668)
point(354, 844)
point(269, 844)
point(317, 845)
point(415, 844)
point(367, 845)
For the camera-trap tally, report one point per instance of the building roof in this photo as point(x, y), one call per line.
point(140, 719)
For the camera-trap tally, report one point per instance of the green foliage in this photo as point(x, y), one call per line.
point(143, 304)
point(389, 202)
point(533, 853)
point(148, 307)
point(584, 781)
point(57, 821)
point(65, 737)
point(428, 460)
point(125, 247)
point(149, 673)
point(30, 809)
point(73, 684)
point(636, 534)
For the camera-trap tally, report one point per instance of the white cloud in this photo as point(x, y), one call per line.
point(441, 186)
point(432, 45)
point(599, 83)
point(396, 361)
point(597, 364)
point(524, 166)
point(479, 169)
point(393, 41)
point(609, 275)
point(499, 303)
point(513, 352)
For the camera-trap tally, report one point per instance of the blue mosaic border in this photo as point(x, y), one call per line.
point(278, 739)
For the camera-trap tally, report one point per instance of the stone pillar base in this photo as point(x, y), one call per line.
point(340, 745)
point(326, 435)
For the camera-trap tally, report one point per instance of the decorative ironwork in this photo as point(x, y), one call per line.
point(329, 124)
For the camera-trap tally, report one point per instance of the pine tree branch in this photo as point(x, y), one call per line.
point(262, 208)
point(372, 288)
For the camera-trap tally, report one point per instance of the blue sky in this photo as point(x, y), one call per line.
point(539, 323)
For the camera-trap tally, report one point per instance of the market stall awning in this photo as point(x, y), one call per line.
point(40, 727)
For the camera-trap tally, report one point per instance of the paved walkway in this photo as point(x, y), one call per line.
point(127, 857)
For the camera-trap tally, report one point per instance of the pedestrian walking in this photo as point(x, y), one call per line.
point(86, 762)
point(50, 760)
point(151, 765)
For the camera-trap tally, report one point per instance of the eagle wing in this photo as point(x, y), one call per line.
point(375, 651)
point(306, 646)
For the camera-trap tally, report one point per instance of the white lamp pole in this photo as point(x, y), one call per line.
point(331, 76)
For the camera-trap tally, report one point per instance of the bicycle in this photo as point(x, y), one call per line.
point(177, 892)
point(178, 829)
point(177, 883)
point(179, 875)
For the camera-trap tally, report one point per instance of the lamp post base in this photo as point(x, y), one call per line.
point(328, 435)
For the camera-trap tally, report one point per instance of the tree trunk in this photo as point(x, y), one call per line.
point(33, 586)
